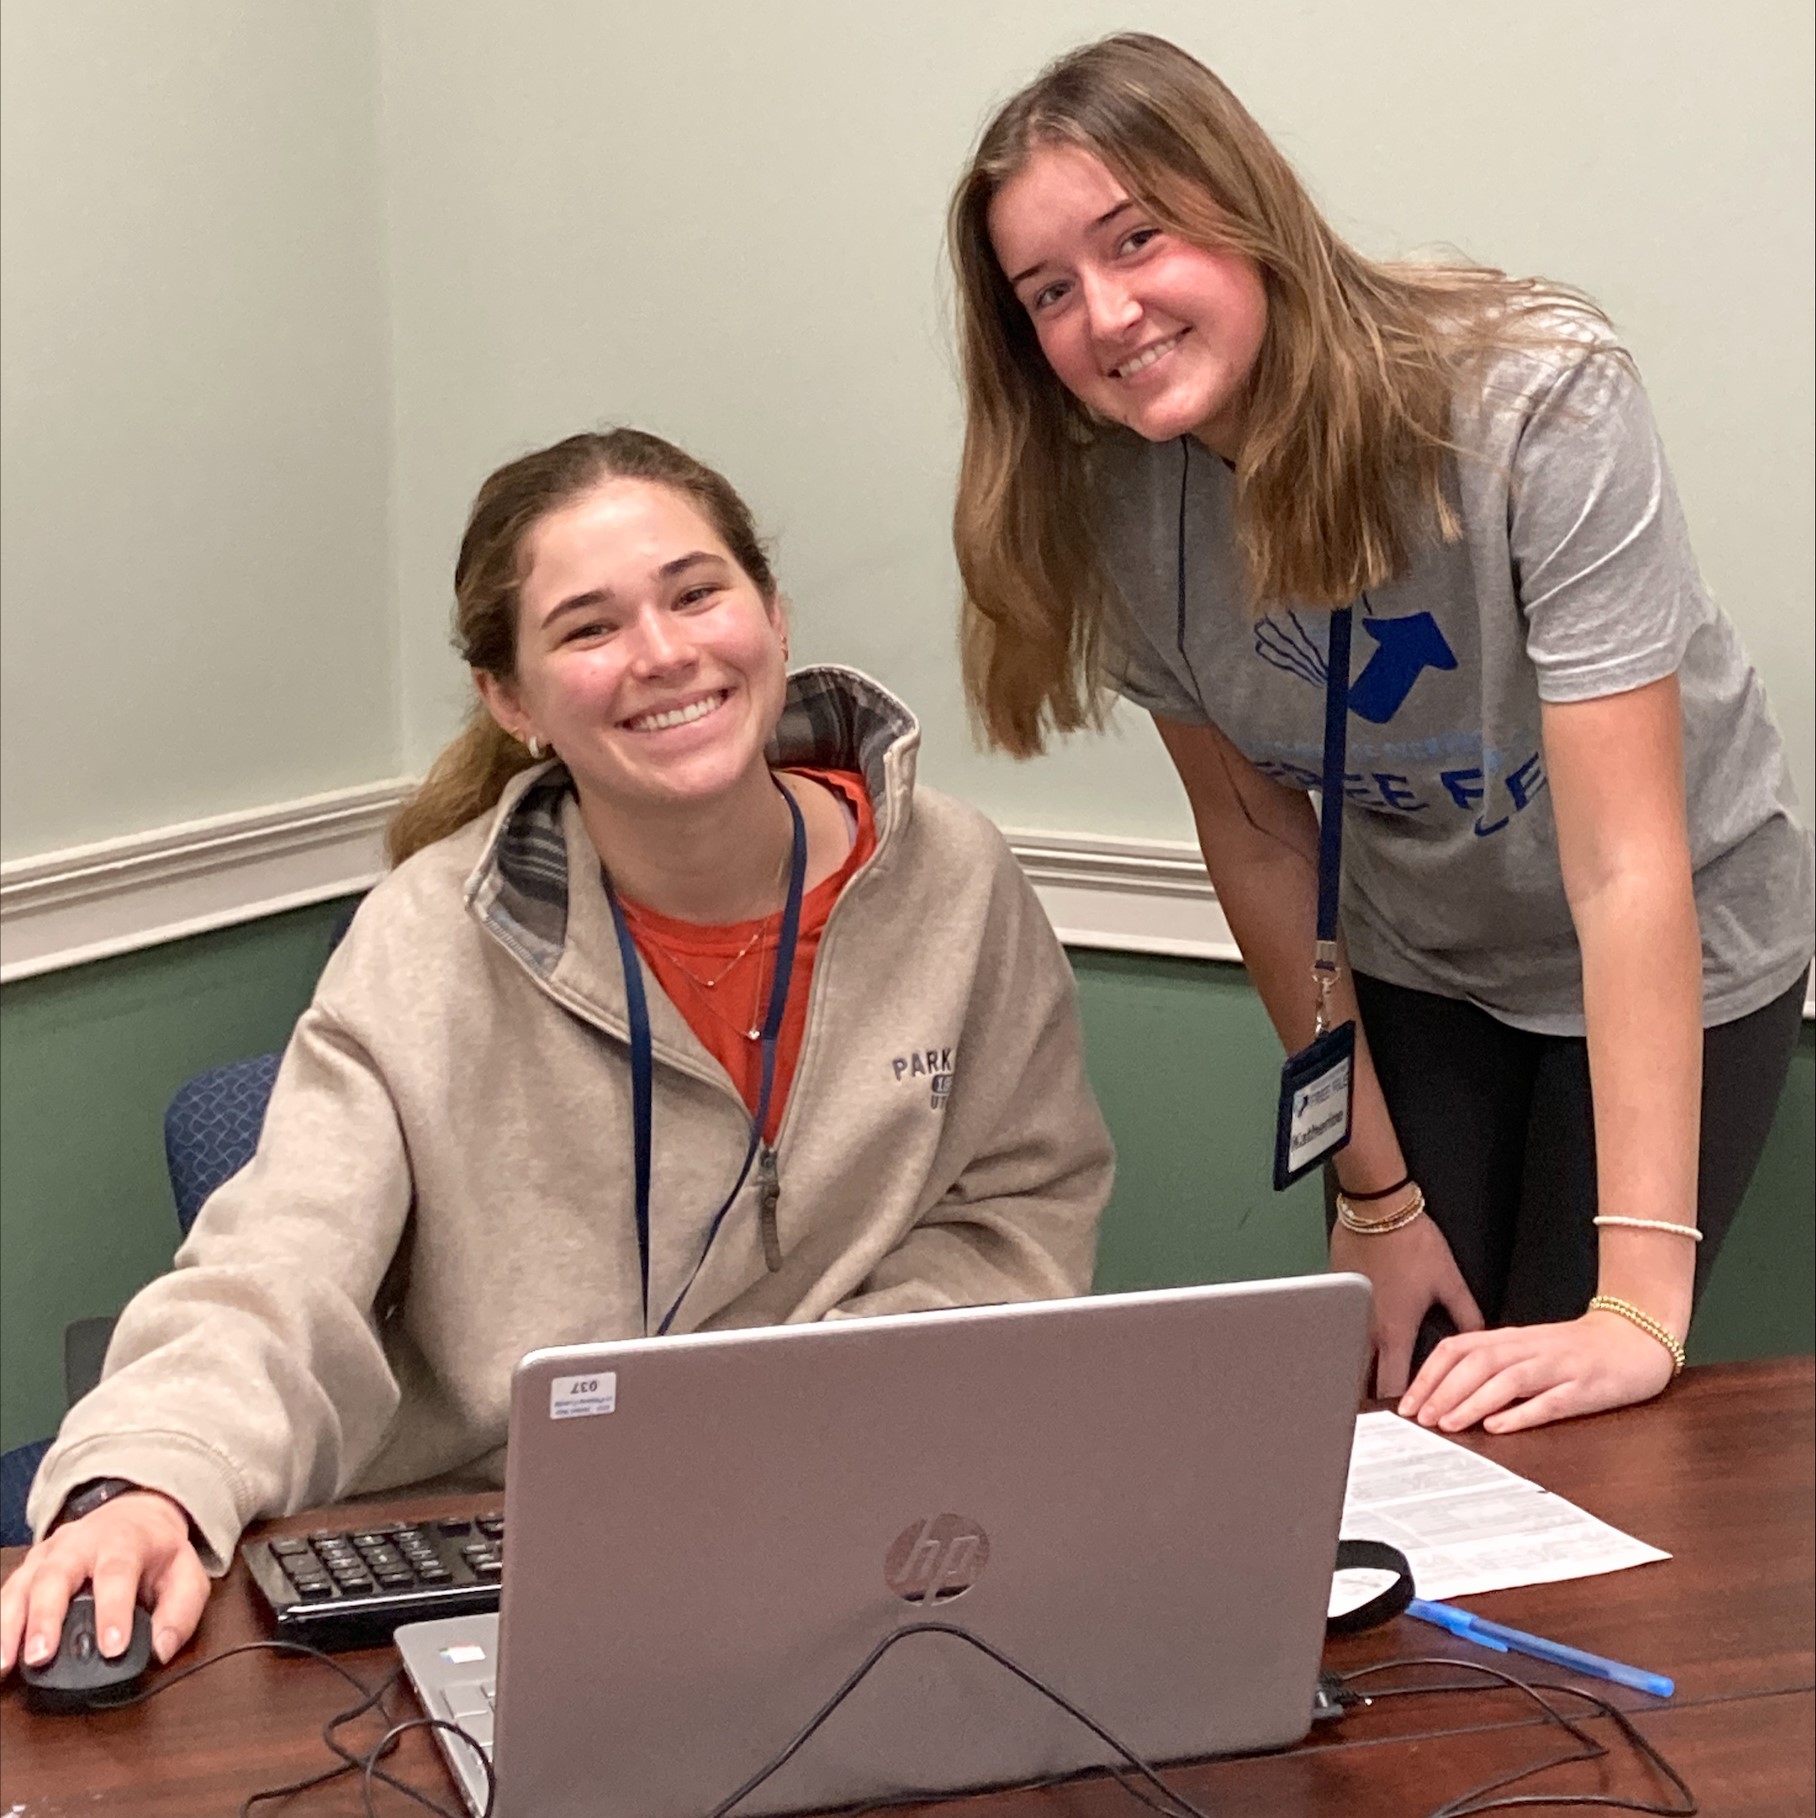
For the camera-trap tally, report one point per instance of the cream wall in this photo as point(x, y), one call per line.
point(195, 411)
point(722, 221)
point(283, 281)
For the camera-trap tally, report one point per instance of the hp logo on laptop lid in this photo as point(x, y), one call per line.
point(936, 1559)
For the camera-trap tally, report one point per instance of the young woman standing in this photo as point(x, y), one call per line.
point(1574, 890)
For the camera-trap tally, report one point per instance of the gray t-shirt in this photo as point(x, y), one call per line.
point(1573, 579)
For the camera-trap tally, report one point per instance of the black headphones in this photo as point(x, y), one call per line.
point(1372, 1556)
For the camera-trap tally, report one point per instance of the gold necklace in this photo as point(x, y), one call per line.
point(725, 971)
point(719, 977)
point(755, 1032)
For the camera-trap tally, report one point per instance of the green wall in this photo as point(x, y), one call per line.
point(89, 1058)
point(1179, 1051)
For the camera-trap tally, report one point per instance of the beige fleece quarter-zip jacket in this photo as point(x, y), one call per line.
point(445, 1177)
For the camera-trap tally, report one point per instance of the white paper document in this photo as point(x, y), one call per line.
point(1465, 1523)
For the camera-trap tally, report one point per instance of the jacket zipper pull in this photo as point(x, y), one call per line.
point(769, 1192)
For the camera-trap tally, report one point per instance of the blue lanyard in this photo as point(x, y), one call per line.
point(643, 1058)
point(1330, 806)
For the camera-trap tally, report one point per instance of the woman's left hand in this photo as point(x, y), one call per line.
point(1513, 1377)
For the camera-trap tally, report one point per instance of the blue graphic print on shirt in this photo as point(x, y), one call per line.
point(1405, 649)
point(1492, 789)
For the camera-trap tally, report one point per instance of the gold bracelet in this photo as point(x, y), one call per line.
point(1350, 1220)
point(1652, 1224)
point(1368, 1208)
point(1606, 1303)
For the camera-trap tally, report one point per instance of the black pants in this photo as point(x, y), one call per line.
point(1497, 1127)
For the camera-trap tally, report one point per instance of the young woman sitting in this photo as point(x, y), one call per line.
point(653, 859)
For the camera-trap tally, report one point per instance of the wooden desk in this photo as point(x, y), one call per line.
point(1720, 1472)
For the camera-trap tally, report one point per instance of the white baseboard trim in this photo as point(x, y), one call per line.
point(90, 902)
point(1130, 896)
point(86, 903)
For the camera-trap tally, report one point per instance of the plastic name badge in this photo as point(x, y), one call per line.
point(1317, 1090)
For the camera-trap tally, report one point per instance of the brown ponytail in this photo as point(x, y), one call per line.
point(466, 780)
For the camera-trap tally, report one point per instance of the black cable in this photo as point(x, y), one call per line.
point(1465, 1805)
point(366, 1764)
point(389, 1740)
point(781, 1759)
point(349, 1762)
point(271, 1645)
point(274, 1646)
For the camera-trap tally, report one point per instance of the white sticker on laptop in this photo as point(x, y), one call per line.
point(571, 1397)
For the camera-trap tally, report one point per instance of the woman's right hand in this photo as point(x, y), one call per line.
point(135, 1547)
point(1409, 1270)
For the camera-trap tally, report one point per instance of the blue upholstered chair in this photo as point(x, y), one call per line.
point(18, 1466)
point(212, 1128)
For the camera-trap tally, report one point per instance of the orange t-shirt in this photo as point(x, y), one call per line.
point(684, 956)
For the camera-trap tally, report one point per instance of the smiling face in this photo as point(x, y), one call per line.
point(1140, 326)
point(648, 660)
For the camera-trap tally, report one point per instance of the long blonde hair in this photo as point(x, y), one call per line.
point(471, 773)
point(1341, 474)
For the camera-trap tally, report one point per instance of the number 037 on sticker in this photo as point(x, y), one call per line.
point(1317, 1089)
point(575, 1397)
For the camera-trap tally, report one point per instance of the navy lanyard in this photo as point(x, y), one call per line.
point(643, 1059)
point(1336, 758)
point(1330, 808)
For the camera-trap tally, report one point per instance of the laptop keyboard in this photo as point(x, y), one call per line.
point(351, 1587)
point(472, 1705)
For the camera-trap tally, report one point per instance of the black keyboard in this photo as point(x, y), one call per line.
point(351, 1587)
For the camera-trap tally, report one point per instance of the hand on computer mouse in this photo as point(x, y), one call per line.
point(78, 1676)
point(137, 1544)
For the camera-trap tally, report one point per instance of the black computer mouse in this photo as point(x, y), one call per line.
point(79, 1677)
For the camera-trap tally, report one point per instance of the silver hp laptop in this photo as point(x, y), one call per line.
point(1134, 1497)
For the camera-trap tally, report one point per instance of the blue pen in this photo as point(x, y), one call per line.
point(1494, 1635)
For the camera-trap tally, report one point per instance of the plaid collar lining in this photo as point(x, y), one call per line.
point(832, 718)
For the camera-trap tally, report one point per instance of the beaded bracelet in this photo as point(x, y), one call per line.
point(1653, 1224)
point(1379, 1227)
point(1606, 1303)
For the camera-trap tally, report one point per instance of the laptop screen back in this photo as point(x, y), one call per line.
point(1134, 1496)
